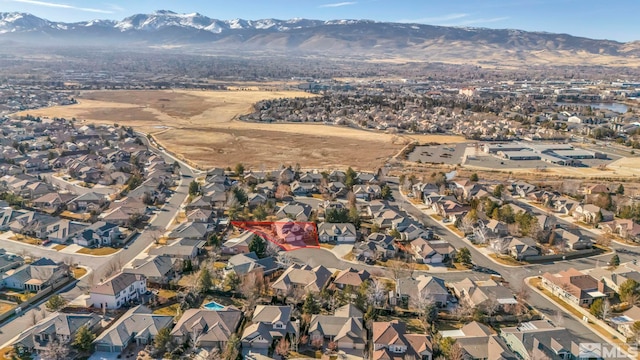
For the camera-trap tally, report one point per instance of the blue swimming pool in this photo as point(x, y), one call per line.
point(213, 306)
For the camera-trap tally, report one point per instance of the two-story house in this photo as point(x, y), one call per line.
point(118, 290)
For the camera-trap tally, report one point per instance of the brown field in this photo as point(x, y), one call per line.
point(202, 127)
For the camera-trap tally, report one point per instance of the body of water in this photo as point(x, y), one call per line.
point(617, 107)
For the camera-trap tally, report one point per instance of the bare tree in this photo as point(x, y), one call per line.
point(283, 347)
point(376, 293)
point(425, 307)
point(113, 267)
point(491, 307)
point(55, 350)
point(457, 353)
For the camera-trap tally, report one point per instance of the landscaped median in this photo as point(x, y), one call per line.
point(610, 335)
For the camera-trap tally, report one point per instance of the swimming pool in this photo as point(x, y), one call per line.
point(213, 306)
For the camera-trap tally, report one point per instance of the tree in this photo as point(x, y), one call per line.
point(55, 303)
point(497, 191)
point(231, 351)
point(628, 289)
point(162, 341)
point(385, 192)
point(55, 350)
point(194, 188)
point(620, 190)
point(258, 246)
point(596, 308)
point(350, 178)
point(615, 261)
point(333, 215)
point(446, 346)
point(84, 340)
point(205, 281)
point(231, 281)
point(310, 305)
point(283, 347)
point(395, 233)
point(240, 195)
point(464, 256)
point(239, 169)
point(474, 177)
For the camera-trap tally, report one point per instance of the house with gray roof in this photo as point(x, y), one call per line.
point(157, 269)
point(268, 325)
point(243, 264)
point(118, 290)
point(303, 278)
point(541, 339)
point(337, 232)
point(60, 327)
point(478, 341)
point(413, 291)
point(137, 326)
point(35, 276)
point(192, 230)
point(207, 328)
point(344, 327)
point(100, 233)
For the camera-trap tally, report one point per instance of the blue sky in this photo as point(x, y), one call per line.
point(615, 20)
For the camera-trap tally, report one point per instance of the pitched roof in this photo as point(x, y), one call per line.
point(139, 320)
point(212, 325)
point(116, 283)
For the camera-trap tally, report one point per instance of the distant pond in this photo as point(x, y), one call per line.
point(617, 107)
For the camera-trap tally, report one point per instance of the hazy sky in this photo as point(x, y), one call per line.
point(614, 19)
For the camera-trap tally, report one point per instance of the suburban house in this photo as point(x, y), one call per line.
point(157, 269)
point(139, 326)
point(414, 292)
point(344, 328)
point(625, 228)
point(243, 264)
point(541, 339)
point(613, 278)
point(303, 278)
point(337, 232)
point(432, 252)
point(491, 229)
point(182, 249)
point(118, 291)
point(207, 328)
point(592, 214)
point(451, 210)
point(60, 327)
point(9, 261)
point(574, 287)
point(192, 230)
point(268, 325)
point(565, 206)
point(415, 231)
point(624, 322)
point(351, 277)
point(294, 210)
point(52, 201)
point(87, 202)
point(391, 341)
point(521, 248)
point(482, 294)
point(478, 341)
point(35, 276)
point(377, 246)
point(98, 234)
point(596, 189)
point(238, 245)
point(367, 192)
point(571, 241)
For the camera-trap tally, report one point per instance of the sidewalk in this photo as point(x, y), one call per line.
point(585, 314)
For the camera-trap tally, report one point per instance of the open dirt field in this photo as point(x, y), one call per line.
point(202, 126)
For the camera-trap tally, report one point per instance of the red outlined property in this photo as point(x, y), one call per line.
point(287, 234)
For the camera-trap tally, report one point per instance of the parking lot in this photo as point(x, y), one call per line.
point(450, 154)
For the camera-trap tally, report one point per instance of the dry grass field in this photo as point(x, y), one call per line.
point(202, 127)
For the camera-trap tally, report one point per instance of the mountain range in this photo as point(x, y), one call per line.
point(355, 38)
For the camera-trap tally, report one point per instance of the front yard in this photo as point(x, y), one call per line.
point(78, 272)
point(507, 260)
point(103, 251)
point(26, 239)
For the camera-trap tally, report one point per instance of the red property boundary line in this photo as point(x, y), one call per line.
point(298, 234)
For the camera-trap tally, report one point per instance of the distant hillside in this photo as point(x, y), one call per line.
point(355, 38)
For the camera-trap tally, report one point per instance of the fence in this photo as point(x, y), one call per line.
point(567, 256)
point(37, 297)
